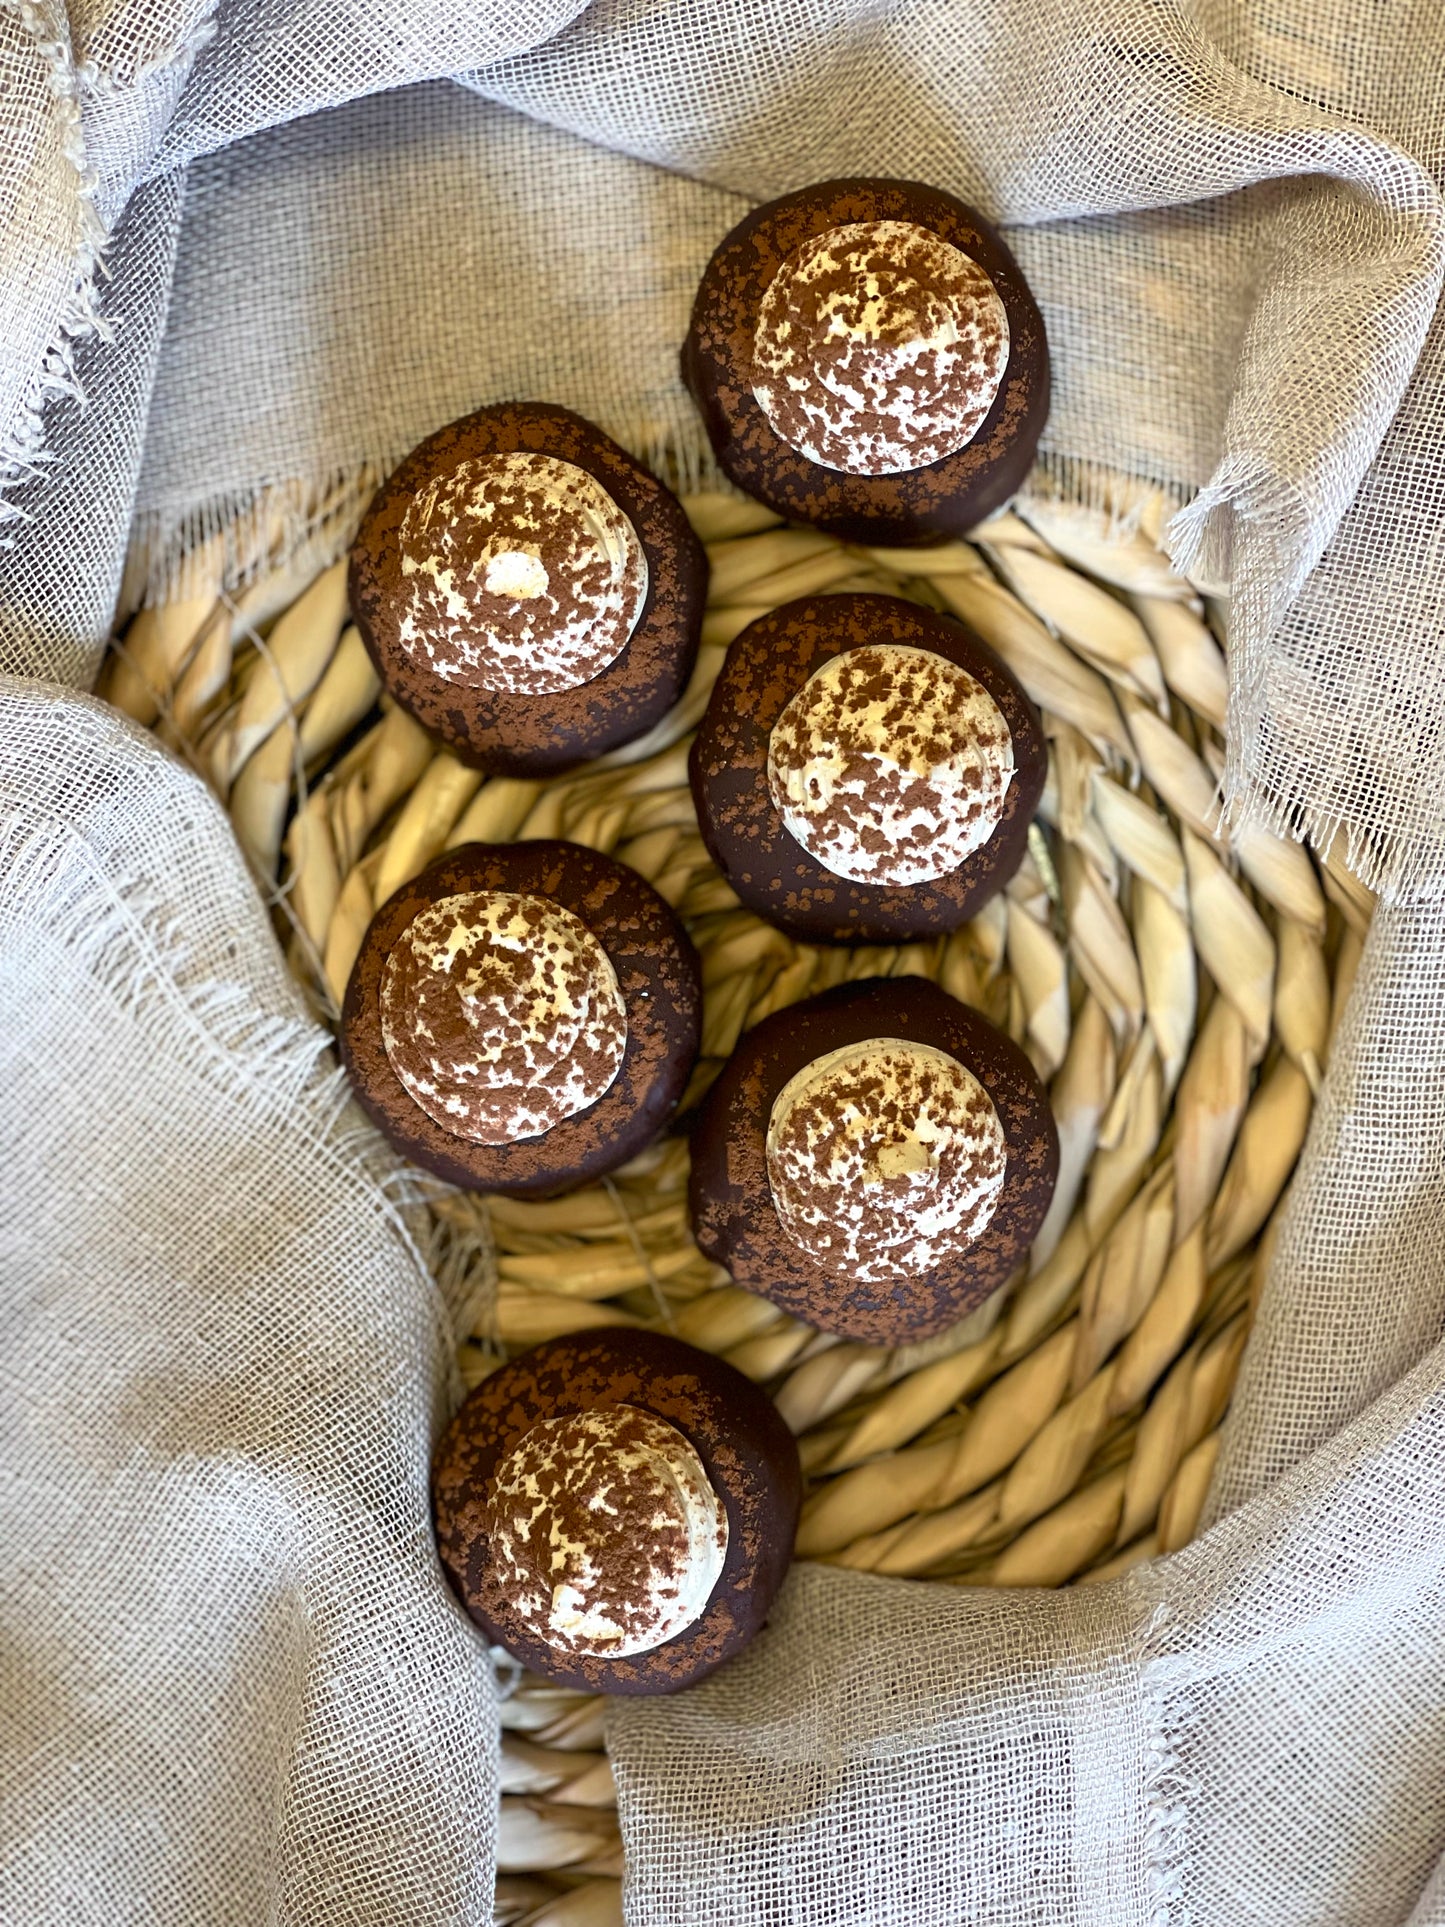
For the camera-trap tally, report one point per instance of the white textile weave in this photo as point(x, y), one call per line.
point(241, 1693)
point(235, 1687)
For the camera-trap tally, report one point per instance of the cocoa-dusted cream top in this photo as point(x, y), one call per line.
point(891, 765)
point(606, 1532)
point(501, 1014)
point(879, 348)
point(519, 574)
point(885, 1158)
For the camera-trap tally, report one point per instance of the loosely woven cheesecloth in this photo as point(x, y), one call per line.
point(248, 256)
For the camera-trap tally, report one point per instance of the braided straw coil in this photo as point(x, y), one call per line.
point(1177, 987)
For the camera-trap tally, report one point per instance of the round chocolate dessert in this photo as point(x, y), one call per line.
point(617, 1509)
point(877, 1160)
point(866, 771)
point(867, 356)
point(527, 591)
point(522, 1017)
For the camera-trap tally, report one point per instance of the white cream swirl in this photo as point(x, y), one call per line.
point(501, 1014)
point(885, 1158)
point(519, 574)
point(879, 348)
point(606, 1532)
point(891, 765)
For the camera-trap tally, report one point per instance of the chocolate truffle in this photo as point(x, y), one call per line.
point(867, 357)
point(877, 1160)
point(866, 770)
point(617, 1509)
point(527, 591)
point(522, 1017)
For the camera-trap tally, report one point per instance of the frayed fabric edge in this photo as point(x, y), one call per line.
point(1396, 870)
point(106, 82)
point(1245, 537)
point(227, 542)
point(1126, 505)
point(22, 443)
point(230, 541)
point(1169, 1789)
point(1198, 531)
point(100, 919)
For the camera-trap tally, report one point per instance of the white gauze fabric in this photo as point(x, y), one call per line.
point(1229, 211)
point(235, 1686)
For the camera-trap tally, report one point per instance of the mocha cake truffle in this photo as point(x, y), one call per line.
point(866, 771)
point(527, 591)
point(617, 1509)
point(877, 1160)
point(522, 1017)
point(867, 357)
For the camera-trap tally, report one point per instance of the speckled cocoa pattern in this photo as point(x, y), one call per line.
point(535, 735)
point(501, 1015)
point(765, 864)
point(736, 1222)
point(746, 1450)
point(945, 499)
point(657, 972)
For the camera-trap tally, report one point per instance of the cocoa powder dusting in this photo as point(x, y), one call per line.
point(501, 1014)
point(891, 765)
point(885, 1158)
point(519, 574)
point(879, 348)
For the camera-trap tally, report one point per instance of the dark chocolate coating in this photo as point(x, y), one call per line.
point(760, 857)
point(736, 1222)
point(657, 971)
point(533, 735)
point(746, 1450)
point(947, 498)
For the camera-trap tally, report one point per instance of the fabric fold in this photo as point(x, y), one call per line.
point(237, 1686)
point(889, 1752)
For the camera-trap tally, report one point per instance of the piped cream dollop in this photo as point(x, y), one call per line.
point(885, 1158)
point(891, 765)
point(519, 575)
point(606, 1532)
point(501, 1014)
point(879, 348)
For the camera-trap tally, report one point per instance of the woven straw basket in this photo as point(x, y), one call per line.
point(1177, 988)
